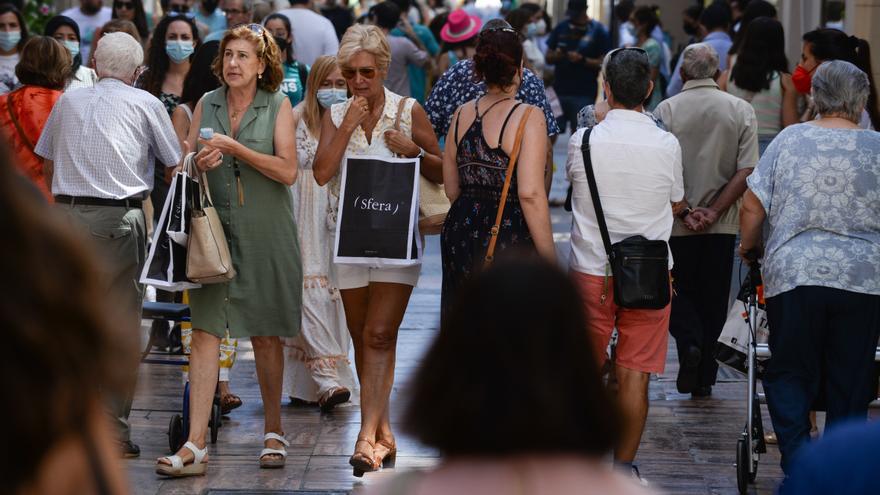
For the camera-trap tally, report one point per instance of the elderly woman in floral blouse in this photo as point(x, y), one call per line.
point(817, 185)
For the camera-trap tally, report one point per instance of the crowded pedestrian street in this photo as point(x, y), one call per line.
point(440, 247)
point(691, 444)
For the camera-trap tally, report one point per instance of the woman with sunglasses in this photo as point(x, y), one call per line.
point(316, 361)
point(132, 10)
point(295, 73)
point(66, 31)
point(244, 135)
point(375, 299)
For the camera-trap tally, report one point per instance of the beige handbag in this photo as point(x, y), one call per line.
point(433, 203)
point(207, 254)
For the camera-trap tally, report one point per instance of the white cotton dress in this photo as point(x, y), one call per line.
point(318, 358)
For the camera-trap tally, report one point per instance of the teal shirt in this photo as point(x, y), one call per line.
point(418, 78)
point(293, 85)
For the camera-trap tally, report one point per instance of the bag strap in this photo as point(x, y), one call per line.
point(594, 191)
point(490, 253)
point(399, 112)
point(204, 195)
point(17, 124)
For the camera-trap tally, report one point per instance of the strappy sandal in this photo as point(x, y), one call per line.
point(333, 397)
point(361, 461)
point(229, 402)
point(387, 458)
point(273, 462)
point(177, 469)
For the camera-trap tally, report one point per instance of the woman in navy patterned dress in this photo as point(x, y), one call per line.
point(478, 149)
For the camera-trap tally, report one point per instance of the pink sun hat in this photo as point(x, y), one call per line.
point(460, 27)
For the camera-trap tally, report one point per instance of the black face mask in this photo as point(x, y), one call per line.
point(689, 29)
point(281, 42)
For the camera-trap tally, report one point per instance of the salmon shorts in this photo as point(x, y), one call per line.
point(642, 334)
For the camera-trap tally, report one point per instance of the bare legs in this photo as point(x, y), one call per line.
point(632, 397)
point(374, 315)
point(203, 371)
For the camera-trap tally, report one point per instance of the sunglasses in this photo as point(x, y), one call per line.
point(235, 11)
point(503, 29)
point(185, 15)
point(124, 5)
point(366, 72)
point(179, 8)
point(614, 53)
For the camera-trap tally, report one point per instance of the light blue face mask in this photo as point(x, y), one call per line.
point(179, 50)
point(72, 47)
point(9, 39)
point(327, 97)
point(531, 30)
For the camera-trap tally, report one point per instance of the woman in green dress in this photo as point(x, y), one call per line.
point(250, 163)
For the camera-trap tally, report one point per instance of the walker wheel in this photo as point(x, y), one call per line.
point(742, 465)
point(175, 433)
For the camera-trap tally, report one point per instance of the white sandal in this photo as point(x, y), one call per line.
point(177, 469)
point(274, 463)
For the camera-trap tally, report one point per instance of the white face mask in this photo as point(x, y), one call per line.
point(328, 96)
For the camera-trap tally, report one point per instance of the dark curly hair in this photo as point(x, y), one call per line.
point(499, 56)
point(157, 60)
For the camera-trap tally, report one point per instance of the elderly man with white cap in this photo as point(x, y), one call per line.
point(99, 146)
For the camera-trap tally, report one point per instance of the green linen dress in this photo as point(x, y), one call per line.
point(265, 297)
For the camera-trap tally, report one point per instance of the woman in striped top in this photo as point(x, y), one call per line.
point(760, 76)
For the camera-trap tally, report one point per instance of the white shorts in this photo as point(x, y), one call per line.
point(355, 276)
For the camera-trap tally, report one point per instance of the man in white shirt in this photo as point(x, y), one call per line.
point(313, 34)
point(89, 16)
point(99, 145)
point(638, 175)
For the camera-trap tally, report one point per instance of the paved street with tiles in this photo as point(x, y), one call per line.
point(688, 445)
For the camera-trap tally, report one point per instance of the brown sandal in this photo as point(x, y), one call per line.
point(333, 397)
point(229, 402)
point(361, 461)
point(385, 453)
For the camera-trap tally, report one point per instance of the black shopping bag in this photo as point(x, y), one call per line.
point(165, 267)
point(378, 211)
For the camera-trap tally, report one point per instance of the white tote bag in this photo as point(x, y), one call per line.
point(377, 219)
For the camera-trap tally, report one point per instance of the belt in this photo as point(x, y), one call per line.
point(86, 201)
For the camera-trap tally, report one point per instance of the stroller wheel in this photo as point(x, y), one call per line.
point(175, 433)
point(214, 423)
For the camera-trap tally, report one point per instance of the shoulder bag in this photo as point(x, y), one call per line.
point(511, 166)
point(17, 124)
point(207, 254)
point(433, 203)
point(639, 267)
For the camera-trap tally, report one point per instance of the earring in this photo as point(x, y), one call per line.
point(259, 76)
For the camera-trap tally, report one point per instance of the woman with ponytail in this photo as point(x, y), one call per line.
point(66, 31)
point(823, 45)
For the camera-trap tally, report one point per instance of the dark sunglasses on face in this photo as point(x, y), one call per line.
point(124, 5)
point(614, 53)
point(366, 72)
point(180, 9)
point(229, 12)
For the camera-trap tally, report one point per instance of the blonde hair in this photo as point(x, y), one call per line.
point(311, 114)
point(370, 39)
point(267, 51)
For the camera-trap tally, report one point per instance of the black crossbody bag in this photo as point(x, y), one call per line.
point(640, 267)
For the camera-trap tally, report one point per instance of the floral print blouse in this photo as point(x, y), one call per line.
point(821, 191)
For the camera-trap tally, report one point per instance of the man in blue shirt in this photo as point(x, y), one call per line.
point(576, 47)
point(714, 22)
point(424, 39)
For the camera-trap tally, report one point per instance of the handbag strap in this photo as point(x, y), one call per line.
point(399, 112)
point(493, 233)
point(594, 191)
point(17, 124)
point(204, 196)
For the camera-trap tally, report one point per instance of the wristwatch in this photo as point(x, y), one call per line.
point(685, 212)
point(421, 154)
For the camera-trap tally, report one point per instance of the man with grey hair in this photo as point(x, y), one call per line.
point(631, 158)
point(719, 143)
point(99, 146)
point(238, 13)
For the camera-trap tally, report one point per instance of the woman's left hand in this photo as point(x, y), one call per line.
point(399, 143)
point(220, 142)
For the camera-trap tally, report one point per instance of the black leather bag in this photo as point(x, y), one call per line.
point(640, 267)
